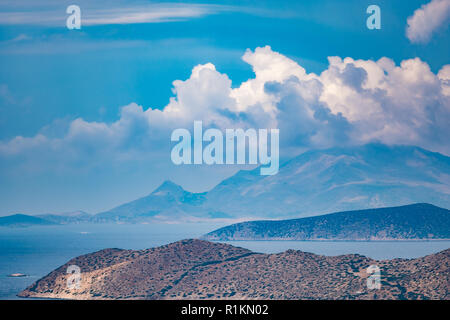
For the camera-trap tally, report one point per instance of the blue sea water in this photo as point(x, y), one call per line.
point(35, 251)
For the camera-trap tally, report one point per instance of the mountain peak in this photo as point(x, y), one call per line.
point(315, 182)
point(420, 221)
point(167, 186)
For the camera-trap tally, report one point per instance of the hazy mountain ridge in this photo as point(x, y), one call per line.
point(168, 201)
point(195, 269)
point(67, 217)
point(417, 221)
point(338, 179)
point(23, 220)
point(315, 182)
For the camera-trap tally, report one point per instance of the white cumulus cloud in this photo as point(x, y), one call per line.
point(427, 19)
point(351, 102)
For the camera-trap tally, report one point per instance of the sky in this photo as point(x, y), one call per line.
point(86, 115)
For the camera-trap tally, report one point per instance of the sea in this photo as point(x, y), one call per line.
point(36, 251)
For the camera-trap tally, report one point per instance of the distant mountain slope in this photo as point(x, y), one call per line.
point(168, 201)
point(195, 269)
point(417, 221)
point(22, 220)
point(338, 179)
point(315, 182)
point(67, 217)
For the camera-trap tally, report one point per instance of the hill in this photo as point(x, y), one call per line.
point(67, 217)
point(23, 220)
point(416, 221)
point(195, 269)
point(168, 201)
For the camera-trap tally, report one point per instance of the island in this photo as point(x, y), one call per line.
point(197, 269)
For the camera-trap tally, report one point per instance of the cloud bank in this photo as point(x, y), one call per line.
point(351, 102)
point(427, 20)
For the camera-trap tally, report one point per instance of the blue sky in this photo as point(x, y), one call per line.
point(50, 76)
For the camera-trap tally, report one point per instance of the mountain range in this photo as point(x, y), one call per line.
point(67, 217)
point(22, 220)
point(195, 269)
point(313, 183)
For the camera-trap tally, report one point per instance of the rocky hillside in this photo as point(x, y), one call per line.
point(196, 269)
point(416, 221)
